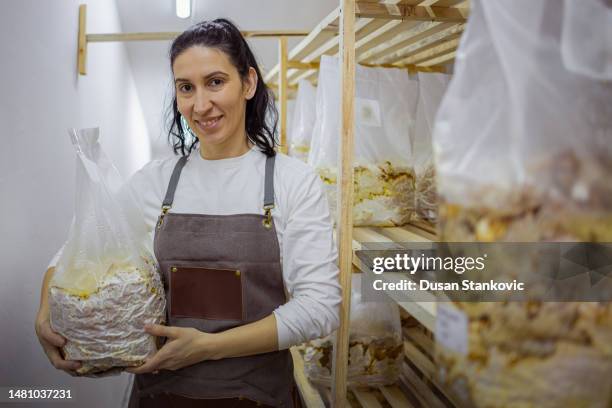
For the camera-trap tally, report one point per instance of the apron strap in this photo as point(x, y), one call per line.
point(268, 186)
point(269, 183)
point(269, 192)
point(176, 174)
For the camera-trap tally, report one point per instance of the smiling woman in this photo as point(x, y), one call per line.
point(214, 74)
point(242, 235)
point(209, 95)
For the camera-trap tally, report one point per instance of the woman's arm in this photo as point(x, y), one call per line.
point(253, 338)
point(310, 268)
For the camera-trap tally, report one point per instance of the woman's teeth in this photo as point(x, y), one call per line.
point(209, 123)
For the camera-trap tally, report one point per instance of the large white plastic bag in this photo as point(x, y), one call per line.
point(523, 146)
point(385, 111)
point(431, 90)
point(375, 345)
point(586, 38)
point(106, 286)
point(514, 108)
point(304, 118)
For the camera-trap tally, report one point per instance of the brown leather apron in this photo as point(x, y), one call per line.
point(220, 272)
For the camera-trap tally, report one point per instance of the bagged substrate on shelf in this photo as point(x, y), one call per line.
point(431, 90)
point(375, 345)
point(523, 145)
point(304, 118)
point(385, 111)
point(106, 286)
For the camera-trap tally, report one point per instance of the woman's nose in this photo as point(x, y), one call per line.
point(202, 103)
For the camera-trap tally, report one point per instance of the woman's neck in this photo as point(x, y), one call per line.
point(223, 151)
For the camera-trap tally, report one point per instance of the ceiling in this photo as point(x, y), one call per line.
point(149, 61)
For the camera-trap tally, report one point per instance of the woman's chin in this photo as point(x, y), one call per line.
point(211, 140)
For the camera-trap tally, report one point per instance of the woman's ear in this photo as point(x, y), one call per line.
point(251, 83)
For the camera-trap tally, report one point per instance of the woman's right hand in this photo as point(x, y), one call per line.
point(51, 343)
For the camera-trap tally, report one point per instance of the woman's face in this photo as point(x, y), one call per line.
point(212, 96)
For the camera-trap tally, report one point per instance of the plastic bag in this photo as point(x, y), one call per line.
point(375, 345)
point(304, 118)
point(431, 90)
point(586, 45)
point(385, 111)
point(106, 286)
point(517, 126)
point(523, 146)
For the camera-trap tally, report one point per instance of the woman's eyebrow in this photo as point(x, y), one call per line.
point(176, 80)
point(215, 73)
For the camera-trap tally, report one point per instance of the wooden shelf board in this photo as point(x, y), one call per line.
point(420, 360)
point(378, 39)
point(444, 59)
point(420, 389)
point(424, 228)
point(366, 9)
point(392, 31)
point(325, 30)
point(427, 369)
point(310, 395)
point(420, 338)
point(366, 398)
point(423, 311)
point(413, 32)
point(395, 397)
point(439, 48)
point(423, 50)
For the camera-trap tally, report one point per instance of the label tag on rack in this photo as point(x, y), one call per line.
point(367, 112)
point(452, 328)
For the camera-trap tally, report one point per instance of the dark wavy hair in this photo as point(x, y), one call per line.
point(261, 116)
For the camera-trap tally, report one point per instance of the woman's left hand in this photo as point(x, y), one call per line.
point(185, 346)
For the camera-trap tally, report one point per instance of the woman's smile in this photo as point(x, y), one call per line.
point(208, 124)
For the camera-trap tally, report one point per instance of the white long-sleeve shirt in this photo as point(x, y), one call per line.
point(301, 217)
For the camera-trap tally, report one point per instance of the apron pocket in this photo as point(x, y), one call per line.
point(205, 293)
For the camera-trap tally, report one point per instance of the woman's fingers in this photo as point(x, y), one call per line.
point(151, 365)
point(56, 359)
point(51, 342)
point(47, 333)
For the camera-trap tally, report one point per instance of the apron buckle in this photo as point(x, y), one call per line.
point(267, 222)
point(165, 209)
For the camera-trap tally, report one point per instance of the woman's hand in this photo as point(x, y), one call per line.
point(51, 343)
point(185, 346)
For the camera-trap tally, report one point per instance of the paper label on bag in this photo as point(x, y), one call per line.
point(367, 112)
point(452, 328)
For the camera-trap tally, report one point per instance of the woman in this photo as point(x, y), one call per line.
point(232, 215)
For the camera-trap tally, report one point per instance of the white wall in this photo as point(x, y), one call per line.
point(41, 96)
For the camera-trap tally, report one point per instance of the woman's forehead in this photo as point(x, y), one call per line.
point(199, 61)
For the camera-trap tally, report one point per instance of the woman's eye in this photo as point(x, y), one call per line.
point(185, 88)
point(216, 82)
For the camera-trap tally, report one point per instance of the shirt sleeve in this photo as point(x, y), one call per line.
point(309, 267)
